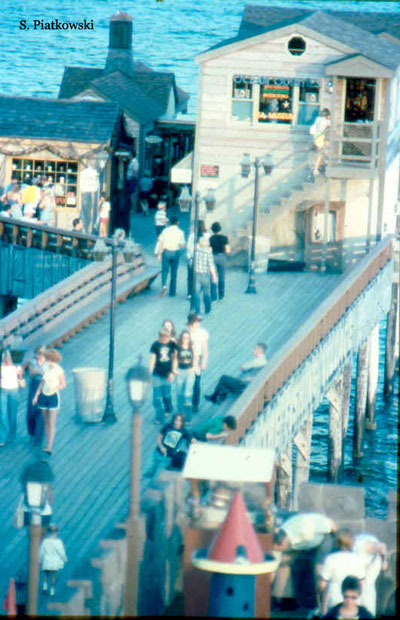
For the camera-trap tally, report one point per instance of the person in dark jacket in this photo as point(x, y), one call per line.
point(349, 608)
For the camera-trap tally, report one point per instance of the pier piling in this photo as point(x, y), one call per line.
point(390, 353)
point(335, 397)
point(346, 397)
point(373, 368)
point(361, 399)
point(303, 444)
point(284, 477)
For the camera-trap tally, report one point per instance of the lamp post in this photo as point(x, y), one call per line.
point(100, 251)
point(246, 164)
point(137, 382)
point(185, 200)
point(36, 479)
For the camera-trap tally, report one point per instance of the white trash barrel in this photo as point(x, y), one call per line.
point(90, 388)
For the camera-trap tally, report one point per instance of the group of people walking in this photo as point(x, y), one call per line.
point(206, 259)
point(46, 379)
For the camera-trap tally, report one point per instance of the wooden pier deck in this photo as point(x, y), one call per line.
point(91, 462)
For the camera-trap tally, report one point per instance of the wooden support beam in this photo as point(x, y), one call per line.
point(284, 480)
point(346, 396)
point(361, 398)
point(335, 452)
point(390, 353)
point(303, 444)
point(373, 368)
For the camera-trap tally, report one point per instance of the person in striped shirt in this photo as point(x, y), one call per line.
point(204, 267)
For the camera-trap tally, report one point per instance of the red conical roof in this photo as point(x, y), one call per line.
point(237, 530)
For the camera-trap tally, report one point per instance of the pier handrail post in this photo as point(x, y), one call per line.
point(251, 286)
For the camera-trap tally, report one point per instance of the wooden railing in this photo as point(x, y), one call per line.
point(37, 235)
point(355, 144)
point(64, 309)
point(268, 381)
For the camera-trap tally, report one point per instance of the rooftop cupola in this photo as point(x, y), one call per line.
point(120, 56)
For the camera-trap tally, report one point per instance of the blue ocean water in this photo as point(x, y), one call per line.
point(167, 36)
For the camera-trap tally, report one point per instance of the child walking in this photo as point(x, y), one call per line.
point(52, 558)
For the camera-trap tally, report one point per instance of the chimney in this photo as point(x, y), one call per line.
point(120, 56)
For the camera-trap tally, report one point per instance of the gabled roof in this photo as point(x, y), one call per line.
point(57, 119)
point(131, 98)
point(258, 20)
point(236, 531)
point(145, 94)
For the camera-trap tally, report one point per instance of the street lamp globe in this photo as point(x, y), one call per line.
point(36, 479)
point(138, 380)
point(185, 199)
point(245, 165)
point(267, 164)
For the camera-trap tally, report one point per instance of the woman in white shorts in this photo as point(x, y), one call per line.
point(47, 396)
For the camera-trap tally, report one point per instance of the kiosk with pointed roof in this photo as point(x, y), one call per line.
point(234, 559)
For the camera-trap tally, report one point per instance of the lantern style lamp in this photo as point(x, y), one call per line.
point(36, 479)
point(185, 200)
point(245, 165)
point(100, 250)
point(209, 199)
point(129, 250)
point(267, 164)
point(138, 380)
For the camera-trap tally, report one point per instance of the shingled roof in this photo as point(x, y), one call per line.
point(57, 119)
point(146, 93)
point(336, 25)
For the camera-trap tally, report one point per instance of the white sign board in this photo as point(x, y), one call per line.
point(228, 463)
point(89, 180)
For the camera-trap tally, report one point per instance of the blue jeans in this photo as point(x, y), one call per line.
point(203, 284)
point(170, 260)
point(8, 415)
point(161, 397)
point(220, 264)
point(160, 461)
point(196, 393)
point(184, 392)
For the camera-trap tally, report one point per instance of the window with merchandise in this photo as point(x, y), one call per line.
point(63, 175)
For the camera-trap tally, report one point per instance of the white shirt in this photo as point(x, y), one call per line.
point(199, 337)
point(51, 378)
point(306, 531)
point(338, 566)
point(172, 238)
point(52, 554)
point(105, 208)
point(9, 377)
point(373, 566)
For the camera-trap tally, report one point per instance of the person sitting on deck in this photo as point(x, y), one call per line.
point(171, 449)
point(234, 385)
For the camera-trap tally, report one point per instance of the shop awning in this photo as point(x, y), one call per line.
point(182, 171)
point(228, 463)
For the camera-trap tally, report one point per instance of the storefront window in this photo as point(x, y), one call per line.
point(276, 103)
point(308, 102)
point(62, 174)
point(242, 99)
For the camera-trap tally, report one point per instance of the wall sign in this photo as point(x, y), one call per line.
point(208, 170)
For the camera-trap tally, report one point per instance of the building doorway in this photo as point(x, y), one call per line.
point(360, 100)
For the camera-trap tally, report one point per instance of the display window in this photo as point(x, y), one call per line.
point(276, 103)
point(62, 174)
point(288, 101)
point(242, 99)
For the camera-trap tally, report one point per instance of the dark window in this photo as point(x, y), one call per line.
point(297, 46)
point(275, 103)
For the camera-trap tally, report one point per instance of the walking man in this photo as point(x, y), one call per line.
point(171, 242)
point(235, 385)
point(163, 352)
point(199, 337)
point(204, 267)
